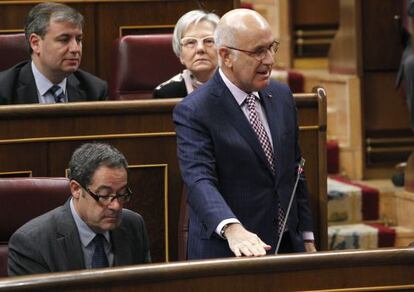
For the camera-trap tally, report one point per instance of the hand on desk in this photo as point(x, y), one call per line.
point(243, 242)
point(310, 246)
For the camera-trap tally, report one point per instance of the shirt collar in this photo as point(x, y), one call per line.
point(86, 234)
point(238, 94)
point(43, 84)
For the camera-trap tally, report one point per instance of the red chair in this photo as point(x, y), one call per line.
point(139, 64)
point(23, 199)
point(13, 49)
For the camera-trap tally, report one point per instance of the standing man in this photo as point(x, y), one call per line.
point(54, 38)
point(238, 149)
point(91, 230)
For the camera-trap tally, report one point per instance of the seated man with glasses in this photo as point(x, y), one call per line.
point(91, 230)
point(237, 140)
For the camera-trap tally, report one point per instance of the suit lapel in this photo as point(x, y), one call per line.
point(74, 92)
point(26, 91)
point(68, 240)
point(120, 246)
point(235, 116)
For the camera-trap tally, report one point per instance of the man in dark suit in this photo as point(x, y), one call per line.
point(54, 37)
point(237, 139)
point(91, 230)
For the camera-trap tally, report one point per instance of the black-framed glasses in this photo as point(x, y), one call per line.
point(260, 53)
point(107, 199)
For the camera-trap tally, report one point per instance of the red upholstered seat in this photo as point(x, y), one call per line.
point(139, 64)
point(23, 199)
point(13, 50)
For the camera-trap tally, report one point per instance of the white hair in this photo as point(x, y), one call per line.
point(190, 18)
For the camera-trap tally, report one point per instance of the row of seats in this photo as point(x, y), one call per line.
point(139, 62)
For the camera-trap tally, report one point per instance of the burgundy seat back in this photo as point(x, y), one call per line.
point(13, 50)
point(23, 199)
point(140, 63)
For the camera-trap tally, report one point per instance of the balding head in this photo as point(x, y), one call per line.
point(246, 48)
point(236, 23)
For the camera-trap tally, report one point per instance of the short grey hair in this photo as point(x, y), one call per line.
point(38, 19)
point(190, 18)
point(89, 157)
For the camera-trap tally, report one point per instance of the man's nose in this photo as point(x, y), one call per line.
point(115, 205)
point(75, 45)
point(269, 59)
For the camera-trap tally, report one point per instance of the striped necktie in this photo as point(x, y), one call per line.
point(57, 93)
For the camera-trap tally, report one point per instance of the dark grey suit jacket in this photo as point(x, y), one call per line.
point(51, 243)
point(226, 170)
point(18, 86)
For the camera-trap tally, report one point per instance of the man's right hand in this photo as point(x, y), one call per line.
point(243, 242)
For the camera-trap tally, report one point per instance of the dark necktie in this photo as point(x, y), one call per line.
point(99, 259)
point(57, 93)
point(260, 131)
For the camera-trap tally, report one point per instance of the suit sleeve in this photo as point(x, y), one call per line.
point(24, 258)
point(198, 168)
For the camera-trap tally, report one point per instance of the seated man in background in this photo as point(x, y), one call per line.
point(193, 43)
point(54, 37)
point(91, 230)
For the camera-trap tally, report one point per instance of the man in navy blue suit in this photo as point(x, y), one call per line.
point(238, 149)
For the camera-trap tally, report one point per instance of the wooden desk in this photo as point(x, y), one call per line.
point(390, 269)
point(38, 140)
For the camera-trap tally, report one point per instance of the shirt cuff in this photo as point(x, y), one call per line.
point(308, 235)
point(223, 223)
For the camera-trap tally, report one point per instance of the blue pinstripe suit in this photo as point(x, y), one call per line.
point(226, 172)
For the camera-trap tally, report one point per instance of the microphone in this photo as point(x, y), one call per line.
point(299, 172)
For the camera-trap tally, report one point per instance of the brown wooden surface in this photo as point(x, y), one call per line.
point(104, 18)
point(41, 138)
point(326, 270)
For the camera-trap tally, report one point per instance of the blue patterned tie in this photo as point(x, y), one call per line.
point(264, 140)
point(99, 259)
point(57, 93)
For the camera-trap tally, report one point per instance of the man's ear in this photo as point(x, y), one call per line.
point(225, 56)
point(75, 189)
point(34, 41)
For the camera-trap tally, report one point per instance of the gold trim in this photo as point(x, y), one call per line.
point(11, 31)
point(86, 137)
point(165, 166)
point(125, 27)
point(306, 128)
point(17, 172)
point(372, 288)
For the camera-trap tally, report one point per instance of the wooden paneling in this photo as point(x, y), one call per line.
point(42, 138)
point(103, 20)
point(316, 12)
point(374, 270)
point(382, 47)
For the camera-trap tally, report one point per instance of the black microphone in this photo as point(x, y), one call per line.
point(299, 172)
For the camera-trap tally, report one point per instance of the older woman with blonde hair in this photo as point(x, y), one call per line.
point(193, 43)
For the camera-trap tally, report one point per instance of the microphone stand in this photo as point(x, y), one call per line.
point(299, 172)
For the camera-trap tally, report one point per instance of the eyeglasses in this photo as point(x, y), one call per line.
point(107, 199)
point(260, 53)
point(192, 42)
